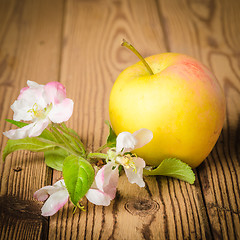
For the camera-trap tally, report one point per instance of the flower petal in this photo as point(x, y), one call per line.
point(21, 110)
point(98, 197)
point(56, 201)
point(30, 130)
point(111, 187)
point(19, 133)
point(30, 98)
point(58, 197)
point(60, 183)
point(143, 136)
point(107, 179)
point(54, 92)
point(136, 176)
point(22, 91)
point(106, 186)
point(33, 84)
point(43, 193)
point(38, 127)
point(61, 112)
point(125, 142)
point(103, 176)
point(33, 95)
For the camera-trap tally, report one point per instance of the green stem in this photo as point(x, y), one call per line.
point(133, 49)
point(65, 141)
point(51, 134)
point(76, 138)
point(57, 145)
point(102, 147)
point(97, 155)
point(72, 137)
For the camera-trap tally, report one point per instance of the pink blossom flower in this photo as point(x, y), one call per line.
point(40, 104)
point(127, 142)
point(133, 165)
point(103, 189)
point(56, 196)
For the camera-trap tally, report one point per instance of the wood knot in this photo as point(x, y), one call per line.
point(141, 207)
point(17, 169)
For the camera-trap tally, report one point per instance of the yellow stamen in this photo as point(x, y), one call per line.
point(128, 161)
point(39, 113)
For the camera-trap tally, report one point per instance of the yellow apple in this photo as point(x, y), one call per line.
point(181, 103)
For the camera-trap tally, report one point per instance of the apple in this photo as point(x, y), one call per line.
point(177, 98)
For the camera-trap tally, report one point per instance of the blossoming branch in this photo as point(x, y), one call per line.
point(40, 113)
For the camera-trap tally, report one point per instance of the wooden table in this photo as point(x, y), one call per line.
point(77, 42)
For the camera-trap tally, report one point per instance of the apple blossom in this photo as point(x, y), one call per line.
point(133, 165)
point(103, 189)
point(40, 104)
point(56, 195)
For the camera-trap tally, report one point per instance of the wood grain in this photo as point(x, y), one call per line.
point(77, 42)
point(210, 36)
point(213, 31)
point(29, 49)
point(99, 59)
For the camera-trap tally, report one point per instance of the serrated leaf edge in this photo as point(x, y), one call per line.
point(151, 172)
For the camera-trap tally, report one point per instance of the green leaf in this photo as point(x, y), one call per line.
point(54, 158)
point(17, 123)
point(31, 144)
point(111, 140)
point(175, 168)
point(78, 175)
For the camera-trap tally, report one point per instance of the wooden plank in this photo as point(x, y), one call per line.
point(30, 37)
point(209, 32)
point(92, 59)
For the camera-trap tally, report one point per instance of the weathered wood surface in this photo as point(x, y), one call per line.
point(77, 42)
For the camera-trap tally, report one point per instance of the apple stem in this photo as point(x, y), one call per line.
point(133, 49)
